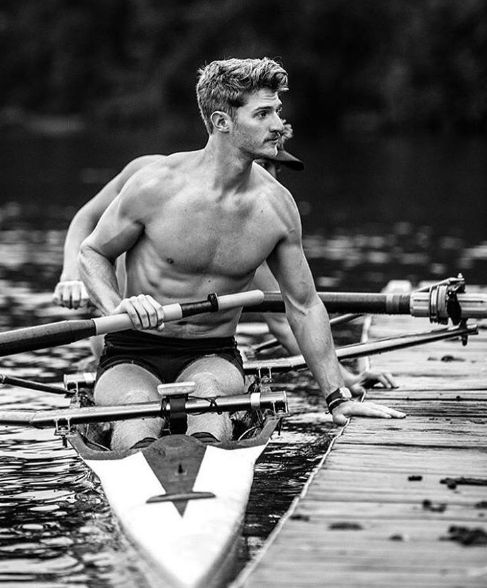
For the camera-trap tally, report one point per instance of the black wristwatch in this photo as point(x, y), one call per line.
point(337, 397)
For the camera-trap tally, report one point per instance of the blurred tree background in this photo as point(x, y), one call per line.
point(361, 65)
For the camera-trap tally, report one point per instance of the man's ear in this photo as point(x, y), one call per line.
point(221, 121)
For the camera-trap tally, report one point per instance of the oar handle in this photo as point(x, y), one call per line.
point(177, 311)
point(60, 333)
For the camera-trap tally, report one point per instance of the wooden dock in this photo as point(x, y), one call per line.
point(396, 503)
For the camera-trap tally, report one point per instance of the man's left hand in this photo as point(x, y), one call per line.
point(363, 409)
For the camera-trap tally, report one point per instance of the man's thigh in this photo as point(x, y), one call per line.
point(213, 375)
point(126, 383)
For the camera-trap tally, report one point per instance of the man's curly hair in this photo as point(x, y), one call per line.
point(224, 84)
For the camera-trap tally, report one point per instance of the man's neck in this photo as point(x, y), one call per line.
point(228, 169)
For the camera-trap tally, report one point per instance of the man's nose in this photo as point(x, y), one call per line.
point(277, 125)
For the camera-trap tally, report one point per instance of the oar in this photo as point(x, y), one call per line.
point(30, 385)
point(297, 362)
point(433, 304)
point(60, 333)
point(65, 417)
point(272, 343)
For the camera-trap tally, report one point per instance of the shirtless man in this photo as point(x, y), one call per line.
point(198, 222)
point(70, 291)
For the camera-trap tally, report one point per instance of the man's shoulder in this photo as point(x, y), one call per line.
point(160, 176)
point(155, 163)
point(273, 189)
point(140, 162)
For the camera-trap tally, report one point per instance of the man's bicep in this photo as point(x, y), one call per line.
point(289, 265)
point(116, 231)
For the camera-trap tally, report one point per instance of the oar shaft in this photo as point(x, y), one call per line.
point(63, 332)
point(29, 384)
point(349, 302)
point(337, 320)
point(432, 304)
point(50, 335)
point(297, 362)
point(392, 344)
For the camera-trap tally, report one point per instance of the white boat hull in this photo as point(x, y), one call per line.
point(186, 538)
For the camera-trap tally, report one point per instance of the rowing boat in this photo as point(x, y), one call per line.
point(181, 501)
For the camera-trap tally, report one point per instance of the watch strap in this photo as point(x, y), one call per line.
point(335, 399)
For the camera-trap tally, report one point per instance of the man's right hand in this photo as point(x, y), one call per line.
point(143, 310)
point(71, 294)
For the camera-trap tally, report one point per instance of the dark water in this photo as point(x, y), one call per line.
point(373, 210)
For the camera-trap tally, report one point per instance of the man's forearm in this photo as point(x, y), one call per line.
point(99, 276)
point(312, 330)
point(79, 229)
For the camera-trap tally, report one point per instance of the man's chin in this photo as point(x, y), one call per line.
point(270, 151)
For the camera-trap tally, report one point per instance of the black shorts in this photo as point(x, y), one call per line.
point(165, 357)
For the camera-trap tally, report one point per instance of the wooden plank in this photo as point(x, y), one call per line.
point(425, 542)
point(308, 553)
point(413, 395)
point(287, 577)
point(428, 369)
point(388, 535)
point(421, 432)
point(364, 486)
point(339, 510)
point(443, 462)
point(435, 409)
point(439, 383)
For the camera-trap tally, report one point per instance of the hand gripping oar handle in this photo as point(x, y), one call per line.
point(60, 333)
point(175, 312)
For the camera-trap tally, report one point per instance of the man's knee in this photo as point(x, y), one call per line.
point(207, 384)
point(214, 379)
point(126, 384)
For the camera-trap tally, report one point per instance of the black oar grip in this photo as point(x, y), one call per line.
point(31, 338)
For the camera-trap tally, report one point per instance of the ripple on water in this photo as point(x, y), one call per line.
point(56, 528)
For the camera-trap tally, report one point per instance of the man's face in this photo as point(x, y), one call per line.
point(257, 126)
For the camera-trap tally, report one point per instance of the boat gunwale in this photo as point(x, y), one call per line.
point(76, 440)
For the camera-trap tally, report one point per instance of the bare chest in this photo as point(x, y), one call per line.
point(215, 241)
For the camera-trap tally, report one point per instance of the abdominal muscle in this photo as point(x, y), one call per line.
point(169, 283)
